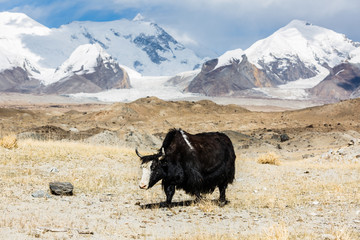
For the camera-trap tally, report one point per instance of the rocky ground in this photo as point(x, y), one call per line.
point(313, 193)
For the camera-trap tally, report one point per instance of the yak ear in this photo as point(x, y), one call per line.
point(137, 153)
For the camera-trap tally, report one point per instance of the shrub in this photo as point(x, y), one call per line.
point(9, 142)
point(270, 158)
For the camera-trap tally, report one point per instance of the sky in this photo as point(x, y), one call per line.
point(209, 26)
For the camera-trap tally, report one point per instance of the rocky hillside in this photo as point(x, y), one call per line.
point(18, 80)
point(147, 120)
point(343, 82)
point(237, 75)
point(89, 69)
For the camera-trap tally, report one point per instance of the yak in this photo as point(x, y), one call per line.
point(195, 163)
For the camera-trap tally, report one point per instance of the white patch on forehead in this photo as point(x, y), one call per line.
point(146, 172)
point(186, 139)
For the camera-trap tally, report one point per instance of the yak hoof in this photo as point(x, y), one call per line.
point(222, 203)
point(164, 205)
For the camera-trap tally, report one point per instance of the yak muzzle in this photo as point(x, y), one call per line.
point(143, 186)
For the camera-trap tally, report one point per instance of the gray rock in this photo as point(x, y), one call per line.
point(54, 170)
point(284, 137)
point(61, 188)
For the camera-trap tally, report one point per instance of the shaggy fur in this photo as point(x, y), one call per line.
point(208, 162)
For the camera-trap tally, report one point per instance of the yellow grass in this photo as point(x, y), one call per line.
point(208, 206)
point(269, 158)
point(290, 189)
point(276, 232)
point(9, 141)
point(88, 167)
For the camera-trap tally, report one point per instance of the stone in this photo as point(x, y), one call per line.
point(61, 188)
point(284, 137)
point(54, 170)
point(351, 142)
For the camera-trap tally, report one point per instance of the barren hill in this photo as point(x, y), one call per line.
point(154, 115)
point(143, 123)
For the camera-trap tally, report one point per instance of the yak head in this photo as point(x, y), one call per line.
point(153, 168)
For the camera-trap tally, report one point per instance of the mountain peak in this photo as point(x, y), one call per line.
point(298, 23)
point(12, 23)
point(313, 44)
point(12, 17)
point(141, 45)
point(82, 61)
point(139, 17)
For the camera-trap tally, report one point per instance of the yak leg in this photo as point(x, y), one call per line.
point(169, 191)
point(222, 198)
point(197, 197)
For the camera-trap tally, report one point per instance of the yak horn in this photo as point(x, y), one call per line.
point(137, 153)
point(162, 151)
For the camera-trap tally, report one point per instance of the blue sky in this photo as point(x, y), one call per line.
point(218, 25)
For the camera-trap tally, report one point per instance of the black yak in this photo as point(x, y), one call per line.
point(195, 163)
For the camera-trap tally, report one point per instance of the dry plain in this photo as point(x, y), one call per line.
point(313, 192)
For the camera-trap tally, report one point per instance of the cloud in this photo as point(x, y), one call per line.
point(216, 24)
point(224, 24)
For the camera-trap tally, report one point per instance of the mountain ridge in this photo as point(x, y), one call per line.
point(138, 44)
point(86, 56)
point(296, 52)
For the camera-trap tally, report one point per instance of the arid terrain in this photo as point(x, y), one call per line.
point(310, 188)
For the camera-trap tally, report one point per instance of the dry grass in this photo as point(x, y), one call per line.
point(269, 158)
point(208, 206)
point(9, 141)
point(90, 168)
point(264, 204)
point(277, 231)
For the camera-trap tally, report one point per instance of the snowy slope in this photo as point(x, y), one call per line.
point(88, 69)
point(298, 41)
point(84, 60)
point(228, 56)
point(138, 44)
point(355, 56)
point(313, 44)
point(12, 51)
point(141, 87)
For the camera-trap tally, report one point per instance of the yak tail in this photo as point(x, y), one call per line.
point(230, 164)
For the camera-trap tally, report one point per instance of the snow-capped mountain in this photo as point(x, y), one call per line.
point(33, 56)
point(138, 44)
point(13, 54)
point(88, 69)
point(296, 56)
point(300, 50)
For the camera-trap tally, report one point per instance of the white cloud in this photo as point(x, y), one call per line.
point(180, 36)
point(218, 24)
